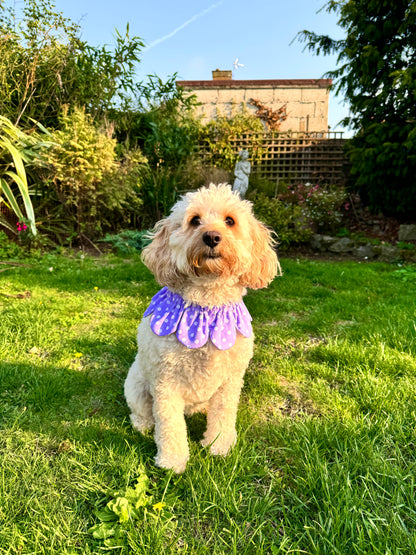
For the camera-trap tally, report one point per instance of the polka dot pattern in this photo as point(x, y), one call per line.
point(194, 324)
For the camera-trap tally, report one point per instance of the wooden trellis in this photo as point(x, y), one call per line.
point(294, 157)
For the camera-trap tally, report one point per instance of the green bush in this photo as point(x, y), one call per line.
point(264, 185)
point(127, 241)
point(9, 249)
point(320, 206)
point(88, 190)
point(160, 190)
point(286, 219)
point(219, 134)
point(297, 211)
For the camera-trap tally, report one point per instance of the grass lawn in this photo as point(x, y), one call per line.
point(326, 456)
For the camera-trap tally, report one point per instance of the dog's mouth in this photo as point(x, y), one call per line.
point(207, 261)
point(211, 255)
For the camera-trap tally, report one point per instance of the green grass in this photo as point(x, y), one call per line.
point(326, 456)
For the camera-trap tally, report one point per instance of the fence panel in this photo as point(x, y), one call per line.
point(294, 157)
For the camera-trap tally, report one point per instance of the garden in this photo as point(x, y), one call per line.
point(325, 460)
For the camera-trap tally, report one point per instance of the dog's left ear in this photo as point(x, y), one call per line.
point(264, 265)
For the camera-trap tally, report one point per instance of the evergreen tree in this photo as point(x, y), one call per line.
point(377, 74)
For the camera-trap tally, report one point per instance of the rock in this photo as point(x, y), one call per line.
point(387, 253)
point(320, 242)
point(407, 232)
point(327, 241)
point(364, 251)
point(316, 242)
point(342, 246)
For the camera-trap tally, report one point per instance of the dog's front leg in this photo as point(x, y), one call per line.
point(170, 431)
point(222, 414)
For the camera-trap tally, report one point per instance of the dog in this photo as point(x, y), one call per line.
point(196, 340)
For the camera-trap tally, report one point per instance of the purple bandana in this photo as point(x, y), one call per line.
point(194, 324)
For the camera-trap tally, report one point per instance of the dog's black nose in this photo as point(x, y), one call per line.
point(211, 238)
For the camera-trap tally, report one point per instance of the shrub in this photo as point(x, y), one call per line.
point(160, 189)
point(320, 206)
point(264, 185)
point(88, 190)
point(195, 173)
point(127, 241)
point(295, 212)
point(9, 249)
point(286, 219)
point(219, 134)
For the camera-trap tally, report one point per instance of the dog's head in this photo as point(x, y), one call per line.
point(212, 234)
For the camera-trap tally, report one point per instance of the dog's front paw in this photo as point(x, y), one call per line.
point(142, 424)
point(220, 445)
point(174, 462)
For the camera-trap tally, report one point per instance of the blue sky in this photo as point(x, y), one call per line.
point(193, 38)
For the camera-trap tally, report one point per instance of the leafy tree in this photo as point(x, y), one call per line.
point(163, 124)
point(44, 65)
point(377, 74)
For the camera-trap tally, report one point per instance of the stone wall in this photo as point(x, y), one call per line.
point(362, 249)
point(306, 100)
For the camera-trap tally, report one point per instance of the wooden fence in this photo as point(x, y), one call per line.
point(294, 157)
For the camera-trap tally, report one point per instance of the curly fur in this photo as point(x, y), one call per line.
point(168, 380)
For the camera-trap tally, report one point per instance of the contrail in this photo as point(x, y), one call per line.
point(173, 33)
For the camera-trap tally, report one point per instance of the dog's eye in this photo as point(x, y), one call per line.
point(196, 221)
point(229, 221)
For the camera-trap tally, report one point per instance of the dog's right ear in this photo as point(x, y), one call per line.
point(157, 255)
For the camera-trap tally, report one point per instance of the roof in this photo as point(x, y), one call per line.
point(255, 83)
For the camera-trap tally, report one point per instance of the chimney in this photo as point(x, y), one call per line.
point(222, 75)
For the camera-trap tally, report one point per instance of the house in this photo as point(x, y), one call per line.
point(292, 104)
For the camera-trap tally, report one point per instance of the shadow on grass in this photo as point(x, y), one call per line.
point(74, 274)
point(68, 404)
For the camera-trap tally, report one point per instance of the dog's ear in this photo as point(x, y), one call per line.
point(157, 255)
point(264, 265)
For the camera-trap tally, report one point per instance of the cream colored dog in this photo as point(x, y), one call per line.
point(195, 340)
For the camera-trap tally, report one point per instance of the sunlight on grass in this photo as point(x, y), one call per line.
point(325, 461)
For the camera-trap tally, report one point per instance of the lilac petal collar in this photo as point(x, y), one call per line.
point(194, 324)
